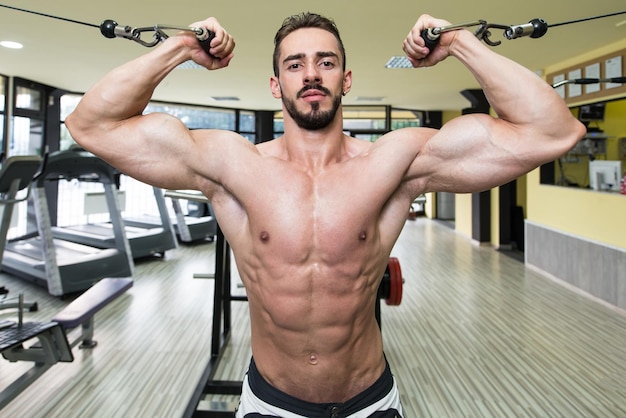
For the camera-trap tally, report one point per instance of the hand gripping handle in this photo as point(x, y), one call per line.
point(431, 37)
point(205, 37)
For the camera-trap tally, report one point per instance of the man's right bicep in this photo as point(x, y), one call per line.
point(150, 148)
point(160, 150)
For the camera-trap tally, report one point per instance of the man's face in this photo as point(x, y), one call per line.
point(311, 79)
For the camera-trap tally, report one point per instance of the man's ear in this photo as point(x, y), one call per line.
point(275, 87)
point(347, 82)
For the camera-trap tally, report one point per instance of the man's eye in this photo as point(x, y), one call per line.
point(327, 64)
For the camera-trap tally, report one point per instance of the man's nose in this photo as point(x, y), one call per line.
point(312, 75)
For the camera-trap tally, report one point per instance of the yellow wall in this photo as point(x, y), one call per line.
point(592, 215)
point(463, 214)
point(429, 206)
point(495, 217)
point(597, 216)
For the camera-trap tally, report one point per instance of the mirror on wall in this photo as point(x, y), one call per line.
point(598, 161)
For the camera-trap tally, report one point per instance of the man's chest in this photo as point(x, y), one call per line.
point(328, 224)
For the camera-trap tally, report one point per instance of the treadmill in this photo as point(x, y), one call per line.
point(17, 174)
point(144, 239)
point(16, 178)
point(65, 267)
point(199, 223)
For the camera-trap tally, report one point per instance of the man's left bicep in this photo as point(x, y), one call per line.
point(464, 157)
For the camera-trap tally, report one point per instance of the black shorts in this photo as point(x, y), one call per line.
point(260, 399)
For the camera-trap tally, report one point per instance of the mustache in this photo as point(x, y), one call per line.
point(313, 87)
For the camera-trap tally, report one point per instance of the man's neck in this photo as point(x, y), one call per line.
point(314, 149)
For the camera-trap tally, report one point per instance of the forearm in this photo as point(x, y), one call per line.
point(516, 94)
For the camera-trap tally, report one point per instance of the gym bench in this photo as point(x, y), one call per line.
point(53, 345)
point(82, 310)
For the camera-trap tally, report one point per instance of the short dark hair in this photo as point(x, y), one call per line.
point(306, 20)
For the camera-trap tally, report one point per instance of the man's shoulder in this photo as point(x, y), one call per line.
point(268, 148)
point(404, 135)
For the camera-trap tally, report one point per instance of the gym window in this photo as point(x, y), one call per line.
point(247, 125)
point(27, 135)
point(368, 122)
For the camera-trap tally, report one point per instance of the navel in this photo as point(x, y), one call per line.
point(313, 358)
point(265, 236)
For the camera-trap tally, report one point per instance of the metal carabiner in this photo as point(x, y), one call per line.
point(483, 33)
point(110, 29)
point(535, 29)
point(431, 35)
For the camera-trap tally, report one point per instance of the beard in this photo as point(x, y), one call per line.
point(315, 119)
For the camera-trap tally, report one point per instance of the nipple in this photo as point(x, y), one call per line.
point(265, 236)
point(362, 236)
point(313, 358)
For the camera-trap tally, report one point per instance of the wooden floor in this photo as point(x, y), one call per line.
point(477, 335)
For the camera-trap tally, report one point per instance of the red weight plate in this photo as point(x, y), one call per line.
point(395, 282)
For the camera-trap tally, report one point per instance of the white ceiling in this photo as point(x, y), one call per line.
point(72, 56)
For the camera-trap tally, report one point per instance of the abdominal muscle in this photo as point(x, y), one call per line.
point(312, 265)
point(313, 329)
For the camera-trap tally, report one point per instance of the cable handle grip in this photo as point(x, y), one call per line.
point(205, 37)
point(431, 37)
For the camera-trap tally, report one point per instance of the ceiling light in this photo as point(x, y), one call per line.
point(399, 62)
point(11, 45)
point(189, 65)
point(225, 98)
point(369, 99)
